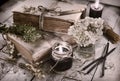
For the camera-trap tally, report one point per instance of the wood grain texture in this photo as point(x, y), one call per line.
point(110, 2)
point(110, 14)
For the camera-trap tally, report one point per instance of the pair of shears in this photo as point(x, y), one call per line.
point(58, 12)
point(52, 11)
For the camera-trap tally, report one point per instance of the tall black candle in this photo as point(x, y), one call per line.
point(96, 10)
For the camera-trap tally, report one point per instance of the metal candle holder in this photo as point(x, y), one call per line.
point(61, 57)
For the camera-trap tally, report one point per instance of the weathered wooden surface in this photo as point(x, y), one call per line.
point(10, 72)
point(110, 2)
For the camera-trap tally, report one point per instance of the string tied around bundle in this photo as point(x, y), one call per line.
point(44, 11)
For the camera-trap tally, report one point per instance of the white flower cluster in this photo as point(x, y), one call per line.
point(86, 31)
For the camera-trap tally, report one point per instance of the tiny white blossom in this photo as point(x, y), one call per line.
point(86, 31)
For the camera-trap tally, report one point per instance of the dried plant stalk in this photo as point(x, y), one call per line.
point(110, 34)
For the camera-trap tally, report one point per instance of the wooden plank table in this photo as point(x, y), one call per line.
point(10, 72)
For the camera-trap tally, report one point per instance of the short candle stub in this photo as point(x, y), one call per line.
point(95, 12)
point(61, 57)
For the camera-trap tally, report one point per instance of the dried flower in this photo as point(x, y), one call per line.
point(86, 31)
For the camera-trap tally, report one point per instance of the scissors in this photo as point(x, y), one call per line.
point(58, 12)
point(52, 11)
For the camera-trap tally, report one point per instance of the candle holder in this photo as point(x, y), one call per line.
point(95, 12)
point(61, 57)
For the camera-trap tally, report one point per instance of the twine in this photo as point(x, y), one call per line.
point(44, 11)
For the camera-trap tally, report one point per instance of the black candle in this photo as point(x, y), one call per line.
point(96, 11)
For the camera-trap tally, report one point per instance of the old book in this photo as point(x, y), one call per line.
point(57, 23)
point(32, 52)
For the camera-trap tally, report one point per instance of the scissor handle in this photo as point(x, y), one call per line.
point(41, 8)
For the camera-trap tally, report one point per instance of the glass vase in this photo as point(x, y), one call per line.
point(87, 52)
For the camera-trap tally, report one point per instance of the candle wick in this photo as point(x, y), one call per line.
point(97, 8)
point(60, 49)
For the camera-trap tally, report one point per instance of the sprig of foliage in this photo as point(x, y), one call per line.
point(27, 33)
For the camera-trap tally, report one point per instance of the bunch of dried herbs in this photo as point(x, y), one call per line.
point(87, 31)
point(27, 33)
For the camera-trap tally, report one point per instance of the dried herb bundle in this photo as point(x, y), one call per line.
point(27, 33)
point(111, 35)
